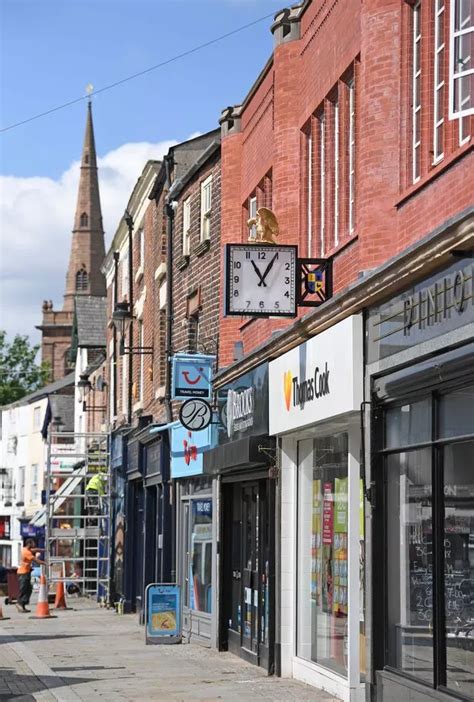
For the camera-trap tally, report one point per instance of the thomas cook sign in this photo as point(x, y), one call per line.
point(317, 380)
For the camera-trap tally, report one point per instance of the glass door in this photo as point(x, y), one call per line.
point(250, 579)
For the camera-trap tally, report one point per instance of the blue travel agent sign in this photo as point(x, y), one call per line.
point(192, 376)
point(187, 448)
point(163, 614)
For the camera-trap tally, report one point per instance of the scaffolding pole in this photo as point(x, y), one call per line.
point(78, 512)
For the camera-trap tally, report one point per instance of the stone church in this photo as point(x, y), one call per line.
point(84, 276)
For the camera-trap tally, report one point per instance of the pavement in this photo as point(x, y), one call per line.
point(92, 654)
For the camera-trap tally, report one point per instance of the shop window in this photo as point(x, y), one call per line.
point(429, 543)
point(200, 562)
point(323, 552)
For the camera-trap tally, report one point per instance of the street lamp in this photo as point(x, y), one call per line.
point(85, 386)
point(122, 319)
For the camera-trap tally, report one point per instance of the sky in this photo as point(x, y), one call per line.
point(49, 51)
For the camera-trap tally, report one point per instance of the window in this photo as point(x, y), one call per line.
point(322, 182)
point(323, 549)
point(141, 344)
point(200, 552)
point(187, 227)
point(84, 220)
point(124, 384)
point(461, 83)
point(206, 202)
point(34, 483)
point(336, 173)
point(37, 418)
point(351, 169)
point(20, 487)
point(429, 563)
point(141, 247)
point(439, 82)
point(309, 190)
point(82, 281)
point(416, 93)
point(125, 276)
point(252, 214)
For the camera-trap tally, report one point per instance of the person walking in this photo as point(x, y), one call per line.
point(28, 558)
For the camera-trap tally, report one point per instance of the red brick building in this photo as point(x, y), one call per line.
point(330, 139)
point(358, 135)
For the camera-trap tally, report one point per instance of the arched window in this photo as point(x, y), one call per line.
point(86, 159)
point(81, 279)
point(84, 220)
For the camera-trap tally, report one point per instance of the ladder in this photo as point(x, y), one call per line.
point(78, 519)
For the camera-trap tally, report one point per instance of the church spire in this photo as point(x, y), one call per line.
point(84, 276)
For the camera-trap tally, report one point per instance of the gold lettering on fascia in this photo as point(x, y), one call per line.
point(429, 306)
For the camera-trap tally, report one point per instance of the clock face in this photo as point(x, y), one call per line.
point(261, 280)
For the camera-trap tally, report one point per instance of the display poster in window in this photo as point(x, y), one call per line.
point(340, 543)
point(316, 552)
point(163, 614)
point(328, 513)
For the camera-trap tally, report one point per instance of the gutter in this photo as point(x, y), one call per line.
point(426, 255)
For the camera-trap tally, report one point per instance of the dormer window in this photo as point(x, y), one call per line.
point(82, 280)
point(84, 220)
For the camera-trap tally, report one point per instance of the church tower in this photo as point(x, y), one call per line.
point(84, 276)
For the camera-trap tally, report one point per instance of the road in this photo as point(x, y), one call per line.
point(94, 654)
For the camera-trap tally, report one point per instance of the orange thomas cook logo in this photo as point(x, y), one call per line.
point(306, 391)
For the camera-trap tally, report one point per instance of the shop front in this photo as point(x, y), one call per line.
point(420, 375)
point(243, 462)
point(148, 545)
point(118, 446)
point(196, 532)
point(316, 391)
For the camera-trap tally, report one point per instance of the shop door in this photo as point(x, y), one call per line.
point(138, 548)
point(247, 587)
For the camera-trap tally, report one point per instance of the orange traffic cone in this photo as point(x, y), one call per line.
point(60, 601)
point(2, 618)
point(42, 606)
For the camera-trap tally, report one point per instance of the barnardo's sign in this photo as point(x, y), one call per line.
point(319, 379)
point(243, 406)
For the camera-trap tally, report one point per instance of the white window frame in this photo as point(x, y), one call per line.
point(37, 418)
point(309, 213)
point(141, 246)
point(322, 183)
point(206, 208)
point(351, 154)
point(416, 77)
point(439, 82)
point(125, 278)
point(336, 173)
point(141, 344)
point(455, 74)
point(187, 227)
point(124, 379)
point(252, 212)
point(34, 497)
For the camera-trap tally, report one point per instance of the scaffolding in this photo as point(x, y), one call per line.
point(78, 512)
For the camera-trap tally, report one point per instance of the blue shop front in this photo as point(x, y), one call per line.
point(148, 534)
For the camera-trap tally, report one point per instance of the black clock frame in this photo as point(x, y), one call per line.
point(269, 247)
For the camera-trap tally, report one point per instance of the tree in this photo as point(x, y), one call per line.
point(19, 372)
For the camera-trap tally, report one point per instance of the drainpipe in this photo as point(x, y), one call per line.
point(129, 223)
point(169, 211)
point(114, 366)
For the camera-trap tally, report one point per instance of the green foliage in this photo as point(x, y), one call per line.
point(19, 372)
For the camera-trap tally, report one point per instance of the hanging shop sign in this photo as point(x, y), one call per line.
point(437, 305)
point(192, 376)
point(319, 379)
point(195, 415)
point(243, 406)
point(187, 448)
point(163, 614)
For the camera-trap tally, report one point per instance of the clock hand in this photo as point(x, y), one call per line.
point(267, 270)
point(257, 271)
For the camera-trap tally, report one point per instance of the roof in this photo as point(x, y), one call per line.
point(180, 183)
point(46, 390)
point(91, 321)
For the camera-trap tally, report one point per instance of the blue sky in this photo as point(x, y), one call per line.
point(50, 50)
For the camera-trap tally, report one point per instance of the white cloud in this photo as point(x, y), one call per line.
point(36, 219)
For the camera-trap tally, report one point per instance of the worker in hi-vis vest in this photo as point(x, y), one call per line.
point(95, 489)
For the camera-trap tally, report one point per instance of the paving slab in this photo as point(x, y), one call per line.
point(96, 655)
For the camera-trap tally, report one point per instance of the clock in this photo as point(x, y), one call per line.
point(261, 280)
